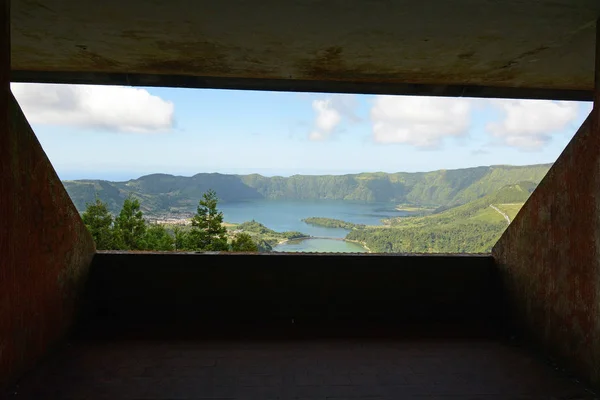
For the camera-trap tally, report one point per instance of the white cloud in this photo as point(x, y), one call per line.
point(327, 119)
point(116, 108)
point(419, 121)
point(529, 124)
point(330, 112)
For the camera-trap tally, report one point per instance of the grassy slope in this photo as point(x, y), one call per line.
point(472, 227)
point(478, 209)
point(511, 209)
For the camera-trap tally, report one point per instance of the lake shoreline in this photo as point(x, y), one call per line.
point(361, 244)
point(287, 216)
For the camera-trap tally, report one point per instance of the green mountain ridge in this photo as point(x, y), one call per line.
point(163, 193)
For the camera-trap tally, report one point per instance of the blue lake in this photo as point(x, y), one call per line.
point(282, 215)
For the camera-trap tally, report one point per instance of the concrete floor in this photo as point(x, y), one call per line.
point(325, 369)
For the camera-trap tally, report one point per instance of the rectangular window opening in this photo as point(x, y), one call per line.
point(165, 169)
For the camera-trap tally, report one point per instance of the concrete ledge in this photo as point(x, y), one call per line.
point(298, 85)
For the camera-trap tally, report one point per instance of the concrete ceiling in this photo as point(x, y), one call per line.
point(490, 48)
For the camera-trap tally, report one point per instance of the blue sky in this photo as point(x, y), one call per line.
point(119, 133)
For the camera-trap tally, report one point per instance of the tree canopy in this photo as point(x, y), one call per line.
point(243, 242)
point(208, 232)
point(130, 231)
point(99, 222)
point(130, 227)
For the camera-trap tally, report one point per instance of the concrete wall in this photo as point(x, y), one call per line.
point(549, 258)
point(336, 291)
point(45, 250)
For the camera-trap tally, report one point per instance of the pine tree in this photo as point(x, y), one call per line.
point(157, 238)
point(99, 222)
point(130, 226)
point(180, 239)
point(208, 232)
point(243, 242)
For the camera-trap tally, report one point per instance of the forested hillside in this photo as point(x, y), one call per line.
point(470, 228)
point(162, 193)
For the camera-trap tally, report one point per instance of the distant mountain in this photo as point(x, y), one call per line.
point(162, 193)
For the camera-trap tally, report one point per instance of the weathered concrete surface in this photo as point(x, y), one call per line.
point(242, 369)
point(399, 46)
point(4, 58)
point(187, 291)
point(45, 250)
point(596, 115)
point(550, 262)
point(4, 64)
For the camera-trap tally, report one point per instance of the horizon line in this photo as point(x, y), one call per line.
point(306, 174)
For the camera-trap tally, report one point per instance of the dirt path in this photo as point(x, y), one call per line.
point(501, 212)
